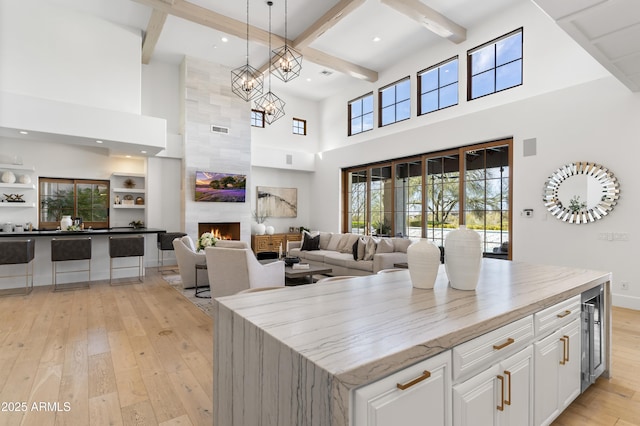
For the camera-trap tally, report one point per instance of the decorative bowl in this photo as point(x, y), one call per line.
point(291, 260)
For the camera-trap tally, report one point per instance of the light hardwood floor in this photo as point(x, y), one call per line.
point(133, 354)
point(142, 354)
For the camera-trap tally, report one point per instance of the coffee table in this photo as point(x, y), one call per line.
point(291, 274)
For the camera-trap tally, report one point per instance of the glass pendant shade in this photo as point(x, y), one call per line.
point(272, 106)
point(247, 82)
point(286, 63)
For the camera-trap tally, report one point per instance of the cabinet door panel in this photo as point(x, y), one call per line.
point(518, 376)
point(547, 357)
point(475, 401)
point(570, 371)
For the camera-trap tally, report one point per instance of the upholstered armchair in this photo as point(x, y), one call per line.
point(235, 269)
point(187, 258)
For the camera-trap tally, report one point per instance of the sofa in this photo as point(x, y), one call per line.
point(350, 254)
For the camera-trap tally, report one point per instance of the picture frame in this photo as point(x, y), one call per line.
point(277, 202)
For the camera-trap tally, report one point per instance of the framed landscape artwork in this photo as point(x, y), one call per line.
point(220, 187)
point(277, 202)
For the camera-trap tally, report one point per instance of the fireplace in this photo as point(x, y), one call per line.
point(221, 230)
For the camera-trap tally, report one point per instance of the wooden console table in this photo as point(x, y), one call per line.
point(264, 243)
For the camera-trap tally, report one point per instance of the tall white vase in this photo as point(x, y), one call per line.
point(65, 222)
point(423, 258)
point(463, 258)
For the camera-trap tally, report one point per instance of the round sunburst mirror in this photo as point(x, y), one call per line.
point(581, 192)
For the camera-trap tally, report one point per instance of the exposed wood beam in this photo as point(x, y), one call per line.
point(328, 20)
point(432, 20)
point(200, 15)
point(151, 36)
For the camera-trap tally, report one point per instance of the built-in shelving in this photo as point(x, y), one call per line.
point(17, 167)
point(124, 214)
point(128, 191)
point(17, 205)
point(126, 206)
point(16, 187)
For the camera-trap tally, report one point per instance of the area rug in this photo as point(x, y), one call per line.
point(205, 305)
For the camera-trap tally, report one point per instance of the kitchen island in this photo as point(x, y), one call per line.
point(99, 259)
point(294, 356)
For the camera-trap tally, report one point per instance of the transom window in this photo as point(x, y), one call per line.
point(299, 126)
point(361, 114)
point(257, 118)
point(495, 66)
point(438, 87)
point(78, 198)
point(395, 102)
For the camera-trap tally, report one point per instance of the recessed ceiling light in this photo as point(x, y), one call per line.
point(98, 141)
point(376, 39)
point(308, 79)
point(128, 156)
point(24, 132)
point(143, 152)
point(224, 39)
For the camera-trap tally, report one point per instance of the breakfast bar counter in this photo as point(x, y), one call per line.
point(294, 355)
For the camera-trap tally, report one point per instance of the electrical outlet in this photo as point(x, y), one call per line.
point(624, 285)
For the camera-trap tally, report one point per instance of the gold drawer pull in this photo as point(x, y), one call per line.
point(425, 375)
point(501, 406)
point(564, 314)
point(504, 345)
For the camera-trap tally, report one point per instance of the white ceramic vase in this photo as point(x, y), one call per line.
point(463, 258)
point(8, 177)
point(423, 258)
point(270, 230)
point(65, 222)
point(260, 229)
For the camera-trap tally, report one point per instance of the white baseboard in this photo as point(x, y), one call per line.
point(630, 302)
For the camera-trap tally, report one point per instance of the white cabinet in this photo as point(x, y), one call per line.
point(24, 186)
point(557, 372)
point(415, 396)
point(500, 395)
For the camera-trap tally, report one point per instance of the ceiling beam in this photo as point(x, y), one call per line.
point(328, 20)
point(151, 36)
point(432, 20)
point(200, 15)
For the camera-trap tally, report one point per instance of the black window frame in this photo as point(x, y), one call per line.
point(295, 125)
point(420, 93)
point(254, 121)
point(494, 42)
point(350, 116)
point(395, 103)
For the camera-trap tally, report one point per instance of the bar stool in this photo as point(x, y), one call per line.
point(16, 252)
point(67, 249)
point(126, 247)
point(165, 243)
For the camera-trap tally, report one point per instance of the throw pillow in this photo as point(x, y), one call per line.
point(325, 237)
point(310, 243)
point(334, 241)
point(354, 250)
point(401, 244)
point(370, 249)
point(346, 243)
point(362, 247)
point(385, 245)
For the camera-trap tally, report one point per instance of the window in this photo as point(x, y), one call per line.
point(361, 114)
point(78, 198)
point(495, 66)
point(438, 87)
point(299, 126)
point(432, 194)
point(257, 118)
point(395, 102)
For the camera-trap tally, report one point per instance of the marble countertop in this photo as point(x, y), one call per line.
point(358, 330)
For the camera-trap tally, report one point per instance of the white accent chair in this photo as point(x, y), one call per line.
point(232, 270)
point(187, 258)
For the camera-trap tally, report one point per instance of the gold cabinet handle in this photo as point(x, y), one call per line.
point(508, 400)
point(501, 406)
point(564, 314)
point(504, 345)
point(567, 350)
point(425, 375)
point(564, 350)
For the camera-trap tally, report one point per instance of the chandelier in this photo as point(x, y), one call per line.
point(246, 81)
point(269, 103)
point(286, 62)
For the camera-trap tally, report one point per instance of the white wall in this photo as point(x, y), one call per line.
point(55, 53)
